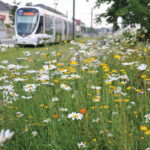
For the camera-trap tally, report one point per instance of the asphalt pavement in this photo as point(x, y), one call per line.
point(7, 41)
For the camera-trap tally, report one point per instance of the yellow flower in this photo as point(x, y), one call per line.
point(145, 50)
point(56, 81)
point(71, 69)
point(137, 90)
point(117, 56)
point(30, 59)
point(108, 83)
point(143, 128)
point(26, 129)
point(143, 35)
point(143, 76)
point(81, 41)
point(147, 132)
point(44, 55)
point(92, 58)
point(59, 64)
point(94, 140)
point(96, 99)
point(106, 107)
point(45, 48)
point(126, 100)
point(59, 54)
point(129, 88)
point(106, 70)
point(30, 116)
point(73, 63)
point(93, 107)
point(118, 100)
point(42, 105)
point(114, 71)
point(91, 71)
point(86, 61)
point(122, 83)
point(97, 91)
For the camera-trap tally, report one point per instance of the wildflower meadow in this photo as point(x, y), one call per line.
point(85, 94)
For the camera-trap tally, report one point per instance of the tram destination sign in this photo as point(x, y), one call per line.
point(22, 12)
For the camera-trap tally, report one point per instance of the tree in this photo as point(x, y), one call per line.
point(29, 4)
point(132, 12)
point(13, 11)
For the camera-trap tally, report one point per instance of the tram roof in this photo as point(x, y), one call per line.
point(45, 11)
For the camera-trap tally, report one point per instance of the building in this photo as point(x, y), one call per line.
point(80, 27)
point(5, 12)
point(4, 19)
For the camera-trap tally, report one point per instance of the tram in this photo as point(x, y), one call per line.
point(36, 26)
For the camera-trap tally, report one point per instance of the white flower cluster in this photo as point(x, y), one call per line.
point(5, 135)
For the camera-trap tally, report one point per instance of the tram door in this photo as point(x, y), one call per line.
point(58, 29)
point(40, 29)
point(65, 30)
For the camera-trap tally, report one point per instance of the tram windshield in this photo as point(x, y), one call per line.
point(26, 21)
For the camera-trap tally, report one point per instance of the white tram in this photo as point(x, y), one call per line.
point(36, 26)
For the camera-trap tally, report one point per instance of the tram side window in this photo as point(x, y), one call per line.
point(49, 25)
point(40, 27)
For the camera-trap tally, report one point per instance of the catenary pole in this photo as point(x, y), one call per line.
point(73, 37)
point(91, 20)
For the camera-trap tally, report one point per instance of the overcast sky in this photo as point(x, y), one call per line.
point(83, 9)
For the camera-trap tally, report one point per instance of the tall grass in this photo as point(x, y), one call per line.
point(88, 77)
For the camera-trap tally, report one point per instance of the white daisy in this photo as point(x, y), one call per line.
point(142, 67)
point(75, 116)
point(63, 109)
point(81, 145)
point(65, 87)
point(55, 99)
point(26, 97)
point(5, 135)
point(34, 133)
point(147, 116)
point(29, 88)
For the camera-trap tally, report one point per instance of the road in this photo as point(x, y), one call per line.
point(7, 41)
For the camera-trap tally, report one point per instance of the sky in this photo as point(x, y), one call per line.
point(82, 9)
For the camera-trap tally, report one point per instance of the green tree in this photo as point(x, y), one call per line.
point(29, 4)
point(13, 11)
point(132, 12)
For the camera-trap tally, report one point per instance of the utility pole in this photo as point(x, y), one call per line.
point(91, 20)
point(66, 14)
point(56, 3)
point(73, 37)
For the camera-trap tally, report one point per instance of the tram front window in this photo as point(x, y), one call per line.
point(26, 21)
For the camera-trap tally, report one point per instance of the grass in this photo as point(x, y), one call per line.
point(87, 77)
